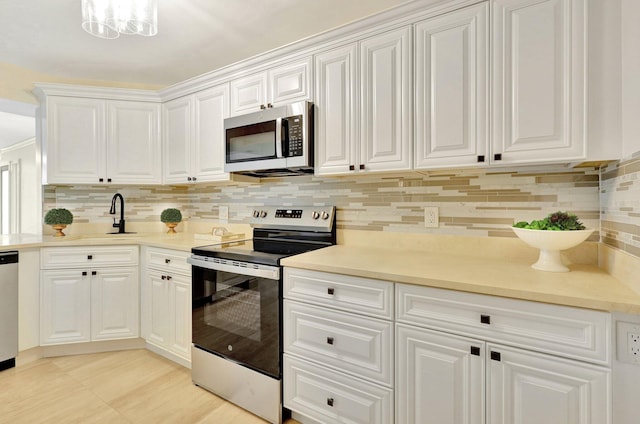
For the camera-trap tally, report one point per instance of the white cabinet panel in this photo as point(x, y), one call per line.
point(65, 306)
point(440, 378)
point(133, 148)
point(528, 388)
point(357, 345)
point(385, 123)
point(331, 397)
point(170, 260)
point(193, 136)
point(451, 89)
point(248, 93)
point(74, 144)
point(291, 82)
point(156, 313)
point(114, 303)
point(343, 292)
point(539, 85)
point(176, 139)
point(572, 332)
point(180, 315)
point(88, 256)
point(336, 106)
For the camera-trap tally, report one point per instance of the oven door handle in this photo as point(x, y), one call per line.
point(253, 270)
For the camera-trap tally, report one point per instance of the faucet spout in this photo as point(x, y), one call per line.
point(112, 211)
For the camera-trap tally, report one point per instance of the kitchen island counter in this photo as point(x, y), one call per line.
point(585, 286)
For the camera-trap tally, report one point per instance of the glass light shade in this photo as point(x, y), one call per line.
point(110, 18)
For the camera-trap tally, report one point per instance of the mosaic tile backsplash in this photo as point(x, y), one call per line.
point(470, 202)
point(620, 205)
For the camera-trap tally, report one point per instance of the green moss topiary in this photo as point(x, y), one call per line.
point(171, 215)
point(58, 216)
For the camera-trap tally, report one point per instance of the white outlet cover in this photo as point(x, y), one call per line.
point(628, 337)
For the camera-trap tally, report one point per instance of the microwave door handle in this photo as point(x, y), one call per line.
point(279, 138)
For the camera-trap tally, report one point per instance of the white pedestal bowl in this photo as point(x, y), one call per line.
point(550, 244)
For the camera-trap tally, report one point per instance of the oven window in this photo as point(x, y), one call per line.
point(238, 317)
point(251, 142)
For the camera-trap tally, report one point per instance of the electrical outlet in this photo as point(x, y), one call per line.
point(628, 342)
point(431, 218)
point(223, 213)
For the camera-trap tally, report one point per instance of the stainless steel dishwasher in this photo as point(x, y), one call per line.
point(8, 309)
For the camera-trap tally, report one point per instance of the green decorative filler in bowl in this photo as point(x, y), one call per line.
point(556, 232)
point(171, 217)
point(58, 218)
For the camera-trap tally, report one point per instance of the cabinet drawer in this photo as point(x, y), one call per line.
point(561, 330)
point(352, 294)
point(168, 260)
point(88, 256)
point(331, 397)
point(357, 345)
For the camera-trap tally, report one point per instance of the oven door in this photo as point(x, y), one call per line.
point(237, 316)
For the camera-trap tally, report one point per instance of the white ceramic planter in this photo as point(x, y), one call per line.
point(550, 244)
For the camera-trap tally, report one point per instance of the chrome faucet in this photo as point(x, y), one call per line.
point(112, 211)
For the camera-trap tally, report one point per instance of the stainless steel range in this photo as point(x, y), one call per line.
point(237, 306)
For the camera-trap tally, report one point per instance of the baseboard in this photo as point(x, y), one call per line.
point(169, 355)
point(92, 347)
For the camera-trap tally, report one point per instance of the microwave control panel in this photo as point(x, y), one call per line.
point(295, 133)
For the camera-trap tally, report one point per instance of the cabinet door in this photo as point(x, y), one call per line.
point(75, 141)
point(65, 306)
point(210, 108)
point(528, 388)
point(176, 139)
point(180, 315)
point(248, 93)
point(440, 378)
point(539, 86)
point(114, 303)
point(336, 106)
point(385, 123)
point(157, 301)
point(134, 148)
point(290, 83)
point(451, 89)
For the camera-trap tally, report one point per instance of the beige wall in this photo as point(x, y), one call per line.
point(16, 83)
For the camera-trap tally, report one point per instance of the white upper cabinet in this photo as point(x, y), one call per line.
point(92, 141)
point(74, 140)
point(283, 84)
point(336, 110)
point(451, 54)
point(385, 115)
point(133, 150)
point(539, 86)
point(374, 98)
point(193, 136)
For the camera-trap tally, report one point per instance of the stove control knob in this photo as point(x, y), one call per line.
point(256, 213)
point(263, 214)
point(315, 215)
point(325, 215)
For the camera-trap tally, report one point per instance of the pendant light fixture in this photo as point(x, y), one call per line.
point(110, 18)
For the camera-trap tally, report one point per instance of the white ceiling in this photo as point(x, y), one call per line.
point(194, 37)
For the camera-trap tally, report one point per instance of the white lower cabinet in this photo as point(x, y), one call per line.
point(440, 377)
point(440, 367)
point(529, 388)
point(97, 300)
point(338, 366)
point(166, 303)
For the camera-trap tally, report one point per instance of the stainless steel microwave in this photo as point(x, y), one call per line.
point(276, 141)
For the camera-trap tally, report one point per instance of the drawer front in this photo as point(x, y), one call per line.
point(168, 260)
point(331, 397)
point(88, 256)
point(351, 294)
point(361, 346)
point(560, 330)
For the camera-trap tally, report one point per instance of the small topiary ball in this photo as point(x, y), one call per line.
point(58, 216)
point(171, 215)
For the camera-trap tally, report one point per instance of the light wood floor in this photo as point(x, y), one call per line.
point(134, 386)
